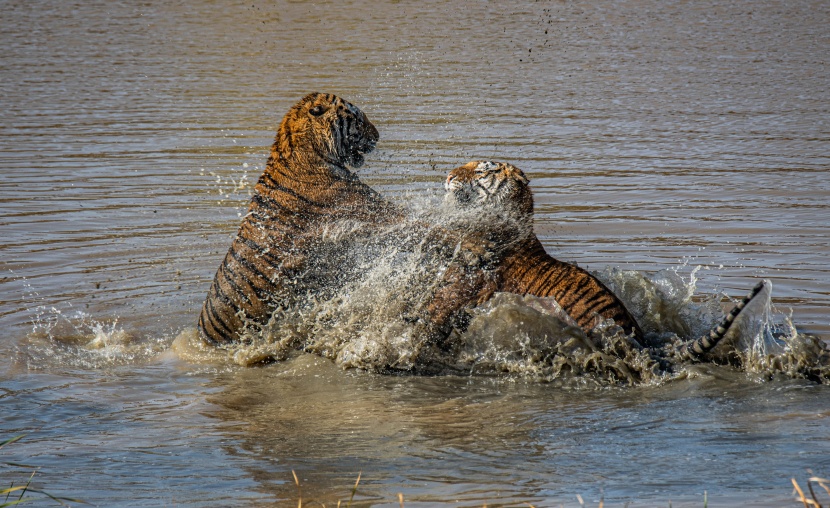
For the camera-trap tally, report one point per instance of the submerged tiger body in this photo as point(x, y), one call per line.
point(519, 264)
point(306, 187)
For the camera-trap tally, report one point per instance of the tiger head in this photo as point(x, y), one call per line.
point(329, 127)
point(499, 185)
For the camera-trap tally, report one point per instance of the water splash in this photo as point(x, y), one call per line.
point(77, 340)
point(374, 285)
point(370, 320)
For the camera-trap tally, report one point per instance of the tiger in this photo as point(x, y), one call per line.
point(522, 266)
point(306, 186)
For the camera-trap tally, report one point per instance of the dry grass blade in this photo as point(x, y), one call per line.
point(11, 440)
point(20, 465)
point(299, 490)
point(12, 503)
point(807, 502)
point(822, 482)
point(57, 499)
point(10, 490)
point(354, 489)
point(23, 489)
point(27, 485)
point(813, 494)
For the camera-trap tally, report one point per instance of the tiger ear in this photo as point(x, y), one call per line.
point(518, 174)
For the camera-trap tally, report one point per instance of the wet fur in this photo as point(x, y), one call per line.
point(516, 262)
point(519, 263)
point(305, 188)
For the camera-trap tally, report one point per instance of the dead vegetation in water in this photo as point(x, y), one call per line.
point(811, 502)
point(18, 494)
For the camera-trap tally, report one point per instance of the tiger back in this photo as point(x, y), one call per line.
point(523, 267)
point(278, 255)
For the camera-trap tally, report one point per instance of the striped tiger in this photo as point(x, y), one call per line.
point(522, 266)
point(305, 188)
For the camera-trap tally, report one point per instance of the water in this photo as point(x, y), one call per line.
point(658, 137)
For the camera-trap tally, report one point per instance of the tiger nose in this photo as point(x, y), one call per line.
point(450, 178)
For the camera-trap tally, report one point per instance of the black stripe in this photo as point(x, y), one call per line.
point(215, 318)
point(267, 176)
point(576, 296)
point(247, 265)
point(202, 323)
point(575, 292)
point(478, 183)
point(521, 274)
point(289, 141)
point(224, 298)
point(227, 272)
point(277, 226)
point(543, 284)
point(216, 329)
point(279, 170)
point(269, 204)
point(268, 256)
point(610, 304)
point(704, 344)
point(562, 275)
point(261, 293)
point(499, 184)
point(344, 126)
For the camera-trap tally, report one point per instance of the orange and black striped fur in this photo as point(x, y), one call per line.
point(306, 186)
point(522, 266)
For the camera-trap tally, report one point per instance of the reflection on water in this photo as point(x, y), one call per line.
point(417, 435)
point(658, 137)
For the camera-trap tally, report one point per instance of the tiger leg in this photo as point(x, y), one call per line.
point(240, 288)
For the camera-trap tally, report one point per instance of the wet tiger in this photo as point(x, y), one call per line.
point(521, 265)
point(306, 187)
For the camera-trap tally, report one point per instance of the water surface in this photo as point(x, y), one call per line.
point(657, 136)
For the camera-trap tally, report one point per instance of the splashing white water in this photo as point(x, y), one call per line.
point(76, 339)
point(371, 320)
point(369, 315)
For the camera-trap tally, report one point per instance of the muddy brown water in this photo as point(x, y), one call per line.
point(658, 137)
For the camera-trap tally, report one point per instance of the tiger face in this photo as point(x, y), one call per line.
point(329, 127)
point(493, 184)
